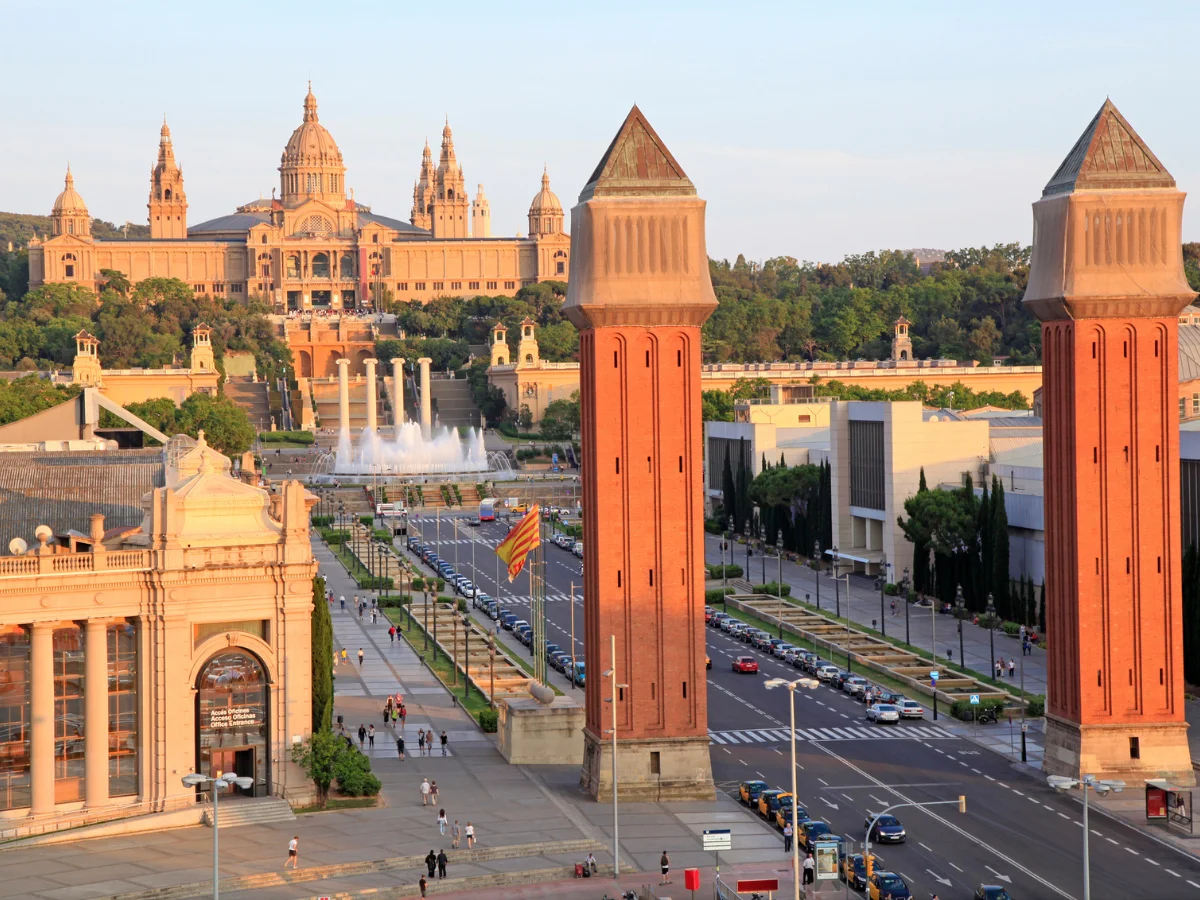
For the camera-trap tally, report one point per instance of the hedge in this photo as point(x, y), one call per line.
point(717, 595)
point(288, 437)
point(319, 521)
point(489, 721)
point(1036, 706)
point(730, 571)
point(366, 520)
point(965, 711)
point(395, 599)
point(772, 588)
point(333, 536)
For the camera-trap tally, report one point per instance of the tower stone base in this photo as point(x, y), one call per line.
point(1104, 751)
point(684, 769)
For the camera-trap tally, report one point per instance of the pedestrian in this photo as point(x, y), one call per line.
point(400, 747)
point(392, 634)
point(374, 614)
point(665, 865)
point(387, 712)
point(787, 838)
point(809, 867)
point(343, 599)
point(1027, 649)
point(362, 735)
point(360, 657)
point(893, 607)
point(423, 885)
point(470, 833)
point(999, 668)
point(395, 716)
point(431, 863)
point(455, 835)
point(433, 790)
point(429, 741)
point(371, 736)
point(441, 861)
point(403, 714)
point(345, 657)
point(425, 792)
point(444, 740)
point(442, 821)
point(1012, 667)
point(421, 742)
point(293, 859)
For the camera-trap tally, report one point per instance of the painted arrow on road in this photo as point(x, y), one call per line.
point(936, 877)
point(829, 803)
point(998, 875)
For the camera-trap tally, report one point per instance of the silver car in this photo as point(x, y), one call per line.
point(910, 709)
point(854, 684)
point(883, 712)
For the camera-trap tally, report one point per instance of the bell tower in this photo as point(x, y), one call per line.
point(901, 342)
point(450, 204)
point(499, 345)
point(639, 292)
point(1107, 282)
point(527, 347)
point(168, 203)
point(202, 351)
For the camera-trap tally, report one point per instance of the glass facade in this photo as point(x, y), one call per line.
point(232, 716)
point(122, 710)
point(14, 717)
point(69, 717)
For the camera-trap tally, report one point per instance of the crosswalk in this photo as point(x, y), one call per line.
point(844, 733)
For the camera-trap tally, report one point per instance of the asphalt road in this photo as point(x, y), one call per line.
point(1016, 831)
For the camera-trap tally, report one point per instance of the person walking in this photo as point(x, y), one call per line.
point(425, 788)
point(371, 736)
point(293, 859)
point(429, 741)
point(1012, 668)
point(787, 838)
point(441, 861)
point(455, 835)
point(343, 599)
point(392, 634)
point(421, 742)
point(893, 607)
point(400, 747)
point(345, 657)
point(469, 831)
point(423, 885)
point(442, 822)
point(444, 740)
point(999, 669)
point(665, 865)
point(403, 714)
point(431, 863)
point(387, 712)
point(395, 716)
point(809, 868)
point(360, 657)
point(362, 736)
point(433, 790)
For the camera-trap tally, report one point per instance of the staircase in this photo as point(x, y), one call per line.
point(453, 402)
point(245, 811)
point(432, 495)
point(252, 396)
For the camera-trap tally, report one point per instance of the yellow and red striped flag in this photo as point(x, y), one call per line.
point(521, 541)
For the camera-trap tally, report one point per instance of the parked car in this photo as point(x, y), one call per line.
point(508, 620)
point(853, 684)
point(768, 803)
point(782, 649)
point(883, 712)
point(827, 673)
point(991, 892)
point(814, 830)
point(745, 664)
point(783, 815)
point(910, 709)
point(748, 791)
point(853, 871)
point(580, 675)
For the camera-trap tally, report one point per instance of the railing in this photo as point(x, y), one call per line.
point(95, 817)
point(19, 566)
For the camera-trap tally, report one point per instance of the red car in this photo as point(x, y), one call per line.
point(745, 664)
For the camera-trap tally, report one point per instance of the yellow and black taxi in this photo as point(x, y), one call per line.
point(783, 815)
point(748, 791)
point(853, 871)
point(768, 803)
point(814, 830)
point(887, 886)
point(708, 662)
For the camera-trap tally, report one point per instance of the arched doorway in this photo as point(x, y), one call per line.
point(232, 698)
point(305, 364)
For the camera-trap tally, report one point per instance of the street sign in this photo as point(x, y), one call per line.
point(745, 885)
point(974, 699)
point(933, 676)
point(716, 840)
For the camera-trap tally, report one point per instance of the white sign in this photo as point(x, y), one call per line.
point(717, 840)
point(933, 676)
point(974, 699)
point(232, 716)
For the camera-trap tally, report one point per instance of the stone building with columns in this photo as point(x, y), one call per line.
point(312, 245)
point(160, 625)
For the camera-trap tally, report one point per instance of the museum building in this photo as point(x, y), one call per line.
point(313, 246)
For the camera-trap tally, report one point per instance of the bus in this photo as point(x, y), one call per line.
point(487, 510)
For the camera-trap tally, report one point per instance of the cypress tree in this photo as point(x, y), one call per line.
point(983, 523)
point(922, 486)
point(745, 507)
point(782, 461)
point(827, 505)
point(1000, 554)
point(921, 553)
point(321, 641)
point(765, 465)
point(728, 493)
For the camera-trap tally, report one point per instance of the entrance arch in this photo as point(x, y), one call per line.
point(306, 367)
point(232, 716)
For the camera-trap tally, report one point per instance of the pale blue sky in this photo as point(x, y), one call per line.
point(813, 130)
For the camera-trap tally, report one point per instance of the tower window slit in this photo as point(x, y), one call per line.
point(614, 359)
point(1127, 569)
point(1160, 565)
point(1131, 677)
point(1125, 348)
point(1099, 679)
point(679, 358)
point(1095, 454)
point(1156, 349)
point(649, 465)
point(618, 577)
point(651, 578)
point(652, 690)
point(647, 359)
point(621, 695)
point(1093, 349)
point(685, 690)
point(681, 464)
point(618, 465)
point(1160, 677)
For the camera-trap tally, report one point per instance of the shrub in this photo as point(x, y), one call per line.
point(290, 437)
point(395, 600)
point(965, 711)
point(489, 721)
point(366, 520)
point(418, 583)
point(441, 585)
point(319, 521)
point(352, 770)
point(382, 534)
point(773, 588)
point(712, 526)
point(716, 595)
point(334, 537)
point(462, 604)
point(375, 583)
point(1037, 706)
point(891, 590)
point(730, 571)
point(1012, 629)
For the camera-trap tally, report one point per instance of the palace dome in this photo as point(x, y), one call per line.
point(69, 202)
point(311, 143)
point(546, 200)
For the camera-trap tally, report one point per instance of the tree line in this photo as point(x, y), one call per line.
point(794, 503)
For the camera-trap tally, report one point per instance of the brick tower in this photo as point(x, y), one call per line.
point(639, 292)
point(1107, 282)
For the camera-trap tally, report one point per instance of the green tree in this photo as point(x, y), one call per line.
point(921, 552)
point(321, 642)
point(525, 417)
point(488, 398)
point(728, 492)
point(560, 419)
point(317, 756)
point(31, 394)
point(226, 425)
point(1000, 554)
point(716, 406)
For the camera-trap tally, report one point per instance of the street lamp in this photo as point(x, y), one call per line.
point(904, 594)
point(960, 610)
point(811, 684)
point(746, 535)
point(1085, 783)
point(466, 623)
point(990, 612)
point(883, 567)
point(762, 539)
point(218, 784)
point(611, 674)
point(724, 579)
point(837, 597)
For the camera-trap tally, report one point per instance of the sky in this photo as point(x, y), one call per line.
point(813, 130)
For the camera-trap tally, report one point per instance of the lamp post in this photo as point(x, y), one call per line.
point(1085, 783)
point(960, 610)
point(762, 548)
point(990, 612)
point(779, 579)
point(454, 658)
point(425, 636)
point(611, 674)
point(218, 784)
point(492, 668)
point(904, 594)
point(837, 597)
point(883, 567)
point(817, 571)
point(810, 683)
point(724, 579)
point(746, 535)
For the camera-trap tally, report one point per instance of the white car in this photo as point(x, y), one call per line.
point(883, 712)
point(827, 672)
point(910, 709)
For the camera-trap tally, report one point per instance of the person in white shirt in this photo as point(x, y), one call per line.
point(293, 859)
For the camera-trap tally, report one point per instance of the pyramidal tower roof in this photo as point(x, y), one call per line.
point(1109, 156)
point(637, 164)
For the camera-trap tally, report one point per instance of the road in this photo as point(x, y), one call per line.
point(1016, 831)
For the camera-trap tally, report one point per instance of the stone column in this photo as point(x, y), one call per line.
point(95, 698)
point(41, 704)
point(398, 377)
point(372, 421)
point(343, 396)
point(426, 402)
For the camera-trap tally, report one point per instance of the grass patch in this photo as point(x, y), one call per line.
point(334, 803)
point(287, 445)
point(476, 702)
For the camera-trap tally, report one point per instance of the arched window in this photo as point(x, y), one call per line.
point(167, 194)
point(231, 701)
point(263, 239)
point(70, 226)
point(347, 269)
point(293, 266)
point(450, 194)
point(320, 265)
point(528, 357)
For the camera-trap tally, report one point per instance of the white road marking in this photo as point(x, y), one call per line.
point(1169, 872)
point(1110, 840)
point(1131, 850)
point(956, 868)
point(989, 777)
point(1152, 862)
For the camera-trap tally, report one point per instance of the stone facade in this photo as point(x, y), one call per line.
point(133, 655)
point(1107, 282)
point(640, 293)
point(313, 245)
point(125, 386)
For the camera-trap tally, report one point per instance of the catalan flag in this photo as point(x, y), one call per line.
point(520, 542)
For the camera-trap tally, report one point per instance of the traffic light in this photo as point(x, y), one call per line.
point(962, 803)
point(870, 864)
